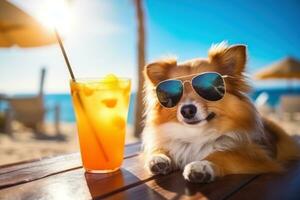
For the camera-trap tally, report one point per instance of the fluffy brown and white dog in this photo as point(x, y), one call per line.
point(236, 139)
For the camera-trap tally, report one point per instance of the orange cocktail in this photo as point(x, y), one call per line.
point(101, 107)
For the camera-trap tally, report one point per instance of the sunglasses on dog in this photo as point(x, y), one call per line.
point(208, 85)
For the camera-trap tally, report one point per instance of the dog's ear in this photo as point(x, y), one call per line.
point(158, 71)
point(229, 59)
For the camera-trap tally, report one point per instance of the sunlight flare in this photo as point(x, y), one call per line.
point(56, 14)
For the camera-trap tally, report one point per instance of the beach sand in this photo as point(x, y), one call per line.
point(23, 145)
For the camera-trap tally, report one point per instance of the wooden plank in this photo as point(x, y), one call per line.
point(25, 172)
point(131, 181)
point(173, 186)
point(22, 162)
point(38, 162)
point(76, 184)
point(285, 185)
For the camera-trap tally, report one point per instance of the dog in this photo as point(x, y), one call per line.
point(200, 120)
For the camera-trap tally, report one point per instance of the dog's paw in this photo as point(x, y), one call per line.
point(159, 164)
point(199, 172)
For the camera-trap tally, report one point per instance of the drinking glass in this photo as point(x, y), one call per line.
point(101, 108)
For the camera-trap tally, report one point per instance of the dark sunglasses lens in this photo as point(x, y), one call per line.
point(210, 86)
point(169, 92)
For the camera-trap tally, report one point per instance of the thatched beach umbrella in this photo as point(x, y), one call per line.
point(17, 28)
point(288, 68)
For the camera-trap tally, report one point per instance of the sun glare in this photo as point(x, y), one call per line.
point(55, 14)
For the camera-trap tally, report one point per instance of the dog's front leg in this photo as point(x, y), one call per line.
point(159, 163)
point(244, 160)
point(200, 171)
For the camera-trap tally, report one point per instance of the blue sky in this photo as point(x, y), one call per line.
point(102, 38)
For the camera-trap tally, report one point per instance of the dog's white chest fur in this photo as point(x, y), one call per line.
point(186, 144)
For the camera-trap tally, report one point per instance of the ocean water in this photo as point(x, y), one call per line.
point(67, 114)
point(274, 94)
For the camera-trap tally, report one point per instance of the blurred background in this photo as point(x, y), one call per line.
point(119, 36)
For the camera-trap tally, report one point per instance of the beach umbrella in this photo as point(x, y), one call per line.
point(288, 68)
point(17, 28)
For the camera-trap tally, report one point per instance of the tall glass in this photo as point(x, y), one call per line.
point(101, 108)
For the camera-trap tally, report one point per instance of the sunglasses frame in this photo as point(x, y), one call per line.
point(190, 81)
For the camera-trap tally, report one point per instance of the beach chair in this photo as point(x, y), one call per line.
point(30, 111)
point(289, 106)
point(261, 103)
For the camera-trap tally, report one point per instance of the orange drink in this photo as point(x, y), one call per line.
point(101, 107)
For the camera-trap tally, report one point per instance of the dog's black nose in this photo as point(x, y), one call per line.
point(188, 111)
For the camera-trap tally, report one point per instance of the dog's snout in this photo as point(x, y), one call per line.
point(188, 111)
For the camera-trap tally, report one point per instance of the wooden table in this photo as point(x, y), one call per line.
point(63, 178)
